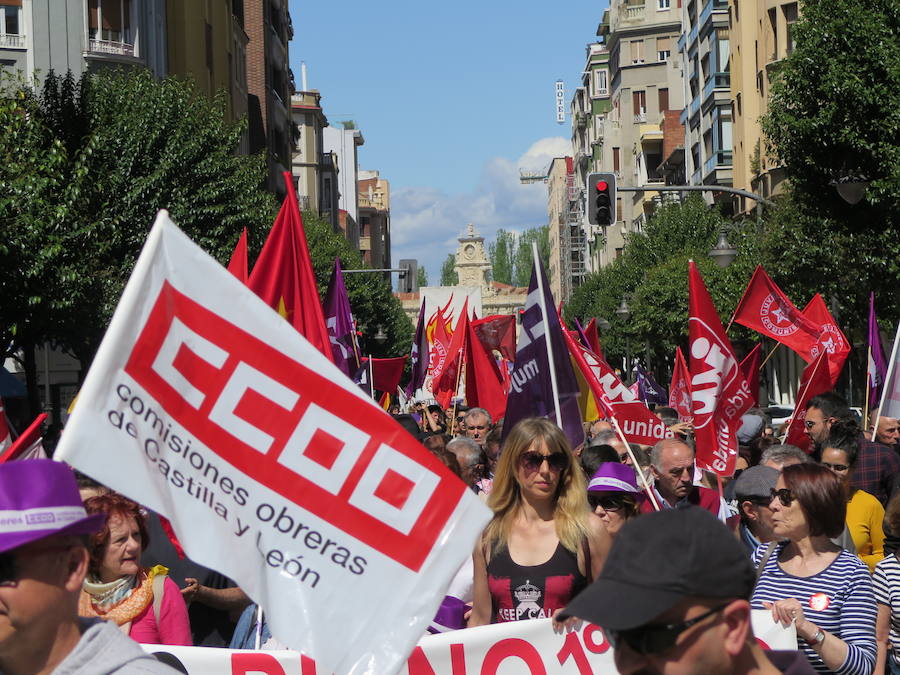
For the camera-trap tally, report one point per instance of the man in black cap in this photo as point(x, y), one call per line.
point(753, 492)
point(673, 598)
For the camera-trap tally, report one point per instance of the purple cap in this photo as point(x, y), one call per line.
point(615, 477)
point(39, 498)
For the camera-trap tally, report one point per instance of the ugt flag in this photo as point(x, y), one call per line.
point(531, 381)
point(719, 392)
point(273, 468)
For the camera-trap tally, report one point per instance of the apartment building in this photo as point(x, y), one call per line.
point(761, 36)
point(341, 175)
point(645, 81)
point(375, 220)
point(307, 164)
point(590, 106)
point(559, 177)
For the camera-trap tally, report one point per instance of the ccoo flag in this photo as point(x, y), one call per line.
point(283, 275)
point(719, 391)
point(535, 371)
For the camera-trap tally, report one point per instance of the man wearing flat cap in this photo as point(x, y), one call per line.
point(673, 598)
point(43, 562)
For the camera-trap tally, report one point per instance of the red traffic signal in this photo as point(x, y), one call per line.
point(602, 185)
point(601, 201)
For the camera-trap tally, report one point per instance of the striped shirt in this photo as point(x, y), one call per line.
point(886, 580)
point(839, 599)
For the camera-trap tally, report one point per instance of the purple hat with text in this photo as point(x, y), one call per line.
point(615, 477)
point(39, 498)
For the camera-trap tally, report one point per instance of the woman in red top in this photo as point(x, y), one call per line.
point(543, 545)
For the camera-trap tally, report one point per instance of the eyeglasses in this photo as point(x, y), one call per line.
point(839, 468)
point(784, 496)
point(809, 424)
point(655, 639)
point(623, 457)
point(532, 461)
point(607, 502)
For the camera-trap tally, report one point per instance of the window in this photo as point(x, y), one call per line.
point(601, 83)
point(637, 51)
point(663, 4)
point(618, 208)
point(790, 18)
point(209, 48)
point(663, 48)
point(639, 103)
point(10, 21)
point(663, 99)
point(616, 165)
point(110, 20)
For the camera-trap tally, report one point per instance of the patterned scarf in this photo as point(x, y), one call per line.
point(121, 600)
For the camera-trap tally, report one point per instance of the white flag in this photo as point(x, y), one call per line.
point(274, 468)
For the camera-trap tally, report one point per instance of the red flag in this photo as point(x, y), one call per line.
point(593, 337)
point(484, 383)
point(767, 310)
point(283, 275)
point(497, 331)
point(615, 399)
point(446, 377)
point(386, 373)
point(719, 393)
point(5, 435)
point(238, 263)
point(830, 337)
point(750, 370)
point(814, 381)
point(680, 389)
point(28, 445)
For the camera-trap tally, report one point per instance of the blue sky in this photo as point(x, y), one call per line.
point(451, 98)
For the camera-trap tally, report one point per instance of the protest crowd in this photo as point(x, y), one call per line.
point(664, 524)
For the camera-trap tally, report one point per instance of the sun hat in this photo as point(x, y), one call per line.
point(660, 558)
point(615, 477)
point(39, 498)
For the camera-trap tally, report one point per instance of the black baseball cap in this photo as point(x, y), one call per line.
point(658, 559)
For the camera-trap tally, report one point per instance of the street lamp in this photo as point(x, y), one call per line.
point(602, 324)
point(380, 337)
point(723, 252)
point(851, 188)
point(624, 313)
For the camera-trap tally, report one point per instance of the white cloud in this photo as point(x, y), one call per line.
point(425, 222)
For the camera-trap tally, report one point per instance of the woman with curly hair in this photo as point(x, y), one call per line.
point(544, 545)
point(145, 603)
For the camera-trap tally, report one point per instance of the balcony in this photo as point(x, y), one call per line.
point(718, 160)
point(713, 15)
point(8, 41)
point(640, 117)
point(110, 47)
point(634, 13)
point(720, 85)
point(682, 39)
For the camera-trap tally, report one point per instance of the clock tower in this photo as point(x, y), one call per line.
point(472, 264)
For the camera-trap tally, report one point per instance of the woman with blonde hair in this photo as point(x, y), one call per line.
point(544, 545)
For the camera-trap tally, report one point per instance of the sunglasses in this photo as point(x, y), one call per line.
point(607, 502)
point(784, 496)
point(532, 461)
point(839, 468)
point(654, 639)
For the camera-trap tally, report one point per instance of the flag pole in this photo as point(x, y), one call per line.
point(371, 379)
point(802, 394)
point(637, 467)
point(868, 385)
point(538, 273)
point(887, 380)
point(769, 355)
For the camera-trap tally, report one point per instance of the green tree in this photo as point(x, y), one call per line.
point(834, 110)
point(501, 253)
point(449, 277)
point(423, 277)
point(524, 259)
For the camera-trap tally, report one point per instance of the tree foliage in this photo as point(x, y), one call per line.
point(501, 253)
point(449, 277)
point(835, 109)
point(524, 259)
point(422, 277)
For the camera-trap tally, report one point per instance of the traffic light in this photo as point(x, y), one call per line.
point(409, 277)
point(601, 197)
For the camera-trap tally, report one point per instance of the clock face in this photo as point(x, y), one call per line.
point(469, 251)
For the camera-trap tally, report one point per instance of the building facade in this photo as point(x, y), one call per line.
point(762, 34)
point(704, 47)
point(341, 173)
point(645, 81)
point(309, 149)
point(375, 220)
point(560, 179)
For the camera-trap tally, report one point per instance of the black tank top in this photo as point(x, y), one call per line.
point(532, 591)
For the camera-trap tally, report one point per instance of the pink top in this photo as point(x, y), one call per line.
point(174, 628)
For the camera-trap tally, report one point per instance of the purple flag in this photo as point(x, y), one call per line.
point(877, 365)
point(339, 322)
point(648, 390)
point(531, 389)
point(418, 356)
